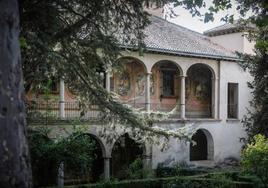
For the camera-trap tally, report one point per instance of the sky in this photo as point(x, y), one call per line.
point(185, 19)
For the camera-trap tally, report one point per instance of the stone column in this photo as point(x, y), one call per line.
point(147, 92)
point(107, 81)
point(107, 168)
point(182, 97)
point(215, 94)
point(61, 175)
point(62, 100)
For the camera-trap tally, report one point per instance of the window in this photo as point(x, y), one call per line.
point(232, 100)
point(168, 83)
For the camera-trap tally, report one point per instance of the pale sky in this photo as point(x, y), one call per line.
point(194, 23)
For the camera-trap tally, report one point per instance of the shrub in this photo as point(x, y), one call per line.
point(255, 158)
point(177, 170)
point(47, 154)
point(171, 182)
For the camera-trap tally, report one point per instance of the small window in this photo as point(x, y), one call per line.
point(168, 83)
point(232, 100)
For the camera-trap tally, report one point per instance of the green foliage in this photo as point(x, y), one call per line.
point(255, 158)
point(174, 182)
point(179, 169)
point(47, 154)
point(136, 170)
point(257, 119)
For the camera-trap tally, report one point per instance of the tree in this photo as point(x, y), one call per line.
point(74, 39)
point(255, 158)
point(15, 168)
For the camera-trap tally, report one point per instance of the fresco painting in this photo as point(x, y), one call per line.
point(198, 91)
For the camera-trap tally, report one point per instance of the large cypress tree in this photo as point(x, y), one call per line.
point(15, 168)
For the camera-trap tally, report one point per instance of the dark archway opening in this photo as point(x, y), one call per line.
point(199, 151)
point(95, 172)
point(124, 153)
point(44, 172)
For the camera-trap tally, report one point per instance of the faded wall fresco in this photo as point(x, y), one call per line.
point(130, 85)
point(198, 91)
point(130, 82)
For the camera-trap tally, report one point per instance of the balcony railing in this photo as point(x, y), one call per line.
point(45, 111)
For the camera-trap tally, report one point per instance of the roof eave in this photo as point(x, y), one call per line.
point(188, 54)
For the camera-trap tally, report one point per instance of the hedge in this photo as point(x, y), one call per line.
point(171, 182)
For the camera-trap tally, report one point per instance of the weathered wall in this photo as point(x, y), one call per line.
point(225, 133)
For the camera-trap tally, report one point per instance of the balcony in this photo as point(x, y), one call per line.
point(48, 111)
point(165, 87)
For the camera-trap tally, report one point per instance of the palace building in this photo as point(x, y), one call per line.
point(197, 75)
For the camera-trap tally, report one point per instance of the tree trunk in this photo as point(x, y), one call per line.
point(15, 168)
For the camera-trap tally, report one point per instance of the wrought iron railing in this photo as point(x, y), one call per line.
point(45, 111)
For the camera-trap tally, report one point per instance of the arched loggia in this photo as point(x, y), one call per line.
point(125, 151)
point(129, 81)
point(78, 175)
point(199, 93)
point(165, 86)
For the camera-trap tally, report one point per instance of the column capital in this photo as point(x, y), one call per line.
point(148, 73)
point(215, 78)
point(183, 76)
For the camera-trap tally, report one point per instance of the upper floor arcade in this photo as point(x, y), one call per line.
point(188, 88)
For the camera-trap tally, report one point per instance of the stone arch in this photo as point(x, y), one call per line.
point(130, 58)
point(97, 167)
point(164, 60)
point(199, 91)
point(165, 86)
point(204, 148)
point(125, 151)
point(212, 71)
point(44, 171)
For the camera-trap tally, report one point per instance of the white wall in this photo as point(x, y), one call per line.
point(234, 42)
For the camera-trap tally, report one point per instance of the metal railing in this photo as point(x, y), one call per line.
point(45, 111)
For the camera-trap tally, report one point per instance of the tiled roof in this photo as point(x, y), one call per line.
point(165, 37)
point(224, 27)
point(228, 28)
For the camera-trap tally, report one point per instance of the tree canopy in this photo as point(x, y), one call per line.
point(75, 39)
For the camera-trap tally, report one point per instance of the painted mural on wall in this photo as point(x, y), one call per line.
point(141, 84)
point(198, 90)
point(130, 83)
point(124, 83)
